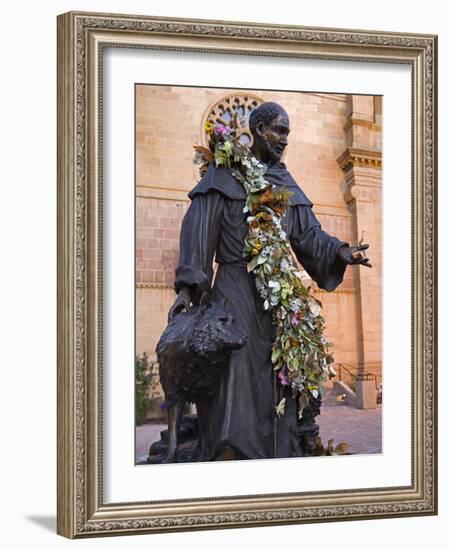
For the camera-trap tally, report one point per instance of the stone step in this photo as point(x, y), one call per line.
point(338, 393)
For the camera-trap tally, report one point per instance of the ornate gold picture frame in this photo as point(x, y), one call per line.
point(83, 511)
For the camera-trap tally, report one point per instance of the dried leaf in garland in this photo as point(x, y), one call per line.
point(341, 449)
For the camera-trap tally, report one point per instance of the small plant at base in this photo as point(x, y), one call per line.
point(144, 375)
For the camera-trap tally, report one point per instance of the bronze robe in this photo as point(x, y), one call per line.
point(242, 414)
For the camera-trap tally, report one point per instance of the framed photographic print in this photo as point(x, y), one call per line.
point(246, 274)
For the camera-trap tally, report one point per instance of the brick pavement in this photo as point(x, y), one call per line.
point(361, 429)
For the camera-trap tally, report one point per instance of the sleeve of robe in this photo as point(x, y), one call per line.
point(200, 232)
point(314, 248)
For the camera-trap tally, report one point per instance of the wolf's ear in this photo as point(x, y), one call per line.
point(205, 299)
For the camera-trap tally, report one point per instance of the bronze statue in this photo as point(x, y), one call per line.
point(239, 420)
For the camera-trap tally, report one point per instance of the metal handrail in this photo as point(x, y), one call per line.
point(360, 376)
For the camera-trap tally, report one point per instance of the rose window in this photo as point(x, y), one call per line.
point(238, 106)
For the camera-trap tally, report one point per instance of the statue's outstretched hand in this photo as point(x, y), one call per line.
point(182, 302)
point(354, 255)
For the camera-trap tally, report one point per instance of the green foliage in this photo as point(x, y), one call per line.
point(144, 376)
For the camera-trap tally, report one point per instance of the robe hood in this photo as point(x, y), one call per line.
point(221, 179)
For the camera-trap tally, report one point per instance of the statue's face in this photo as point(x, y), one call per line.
point(273, 138)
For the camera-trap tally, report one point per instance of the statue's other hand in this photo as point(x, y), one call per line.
point(181, 303)
point(354, 255)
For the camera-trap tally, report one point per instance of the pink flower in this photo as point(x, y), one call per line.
point(295, 319)
point(283, 376)
point(222, 130)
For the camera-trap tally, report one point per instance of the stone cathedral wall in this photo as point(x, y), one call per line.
point(324, 128)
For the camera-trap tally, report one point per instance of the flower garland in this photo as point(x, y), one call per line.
point(300, 353)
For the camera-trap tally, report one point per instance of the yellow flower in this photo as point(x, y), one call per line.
point(209, 127)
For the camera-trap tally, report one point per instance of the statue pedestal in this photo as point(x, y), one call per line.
point(188, 439)
point(308, 432)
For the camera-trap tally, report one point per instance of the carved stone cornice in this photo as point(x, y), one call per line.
point(157, 286)
point(344, 290)
point(359, 157)
point(166, 286)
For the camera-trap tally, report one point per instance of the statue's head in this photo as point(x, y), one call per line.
point(270, 126)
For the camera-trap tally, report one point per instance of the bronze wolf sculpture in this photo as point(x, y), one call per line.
point(192, 353)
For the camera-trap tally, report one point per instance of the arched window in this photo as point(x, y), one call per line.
point(223, 110)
